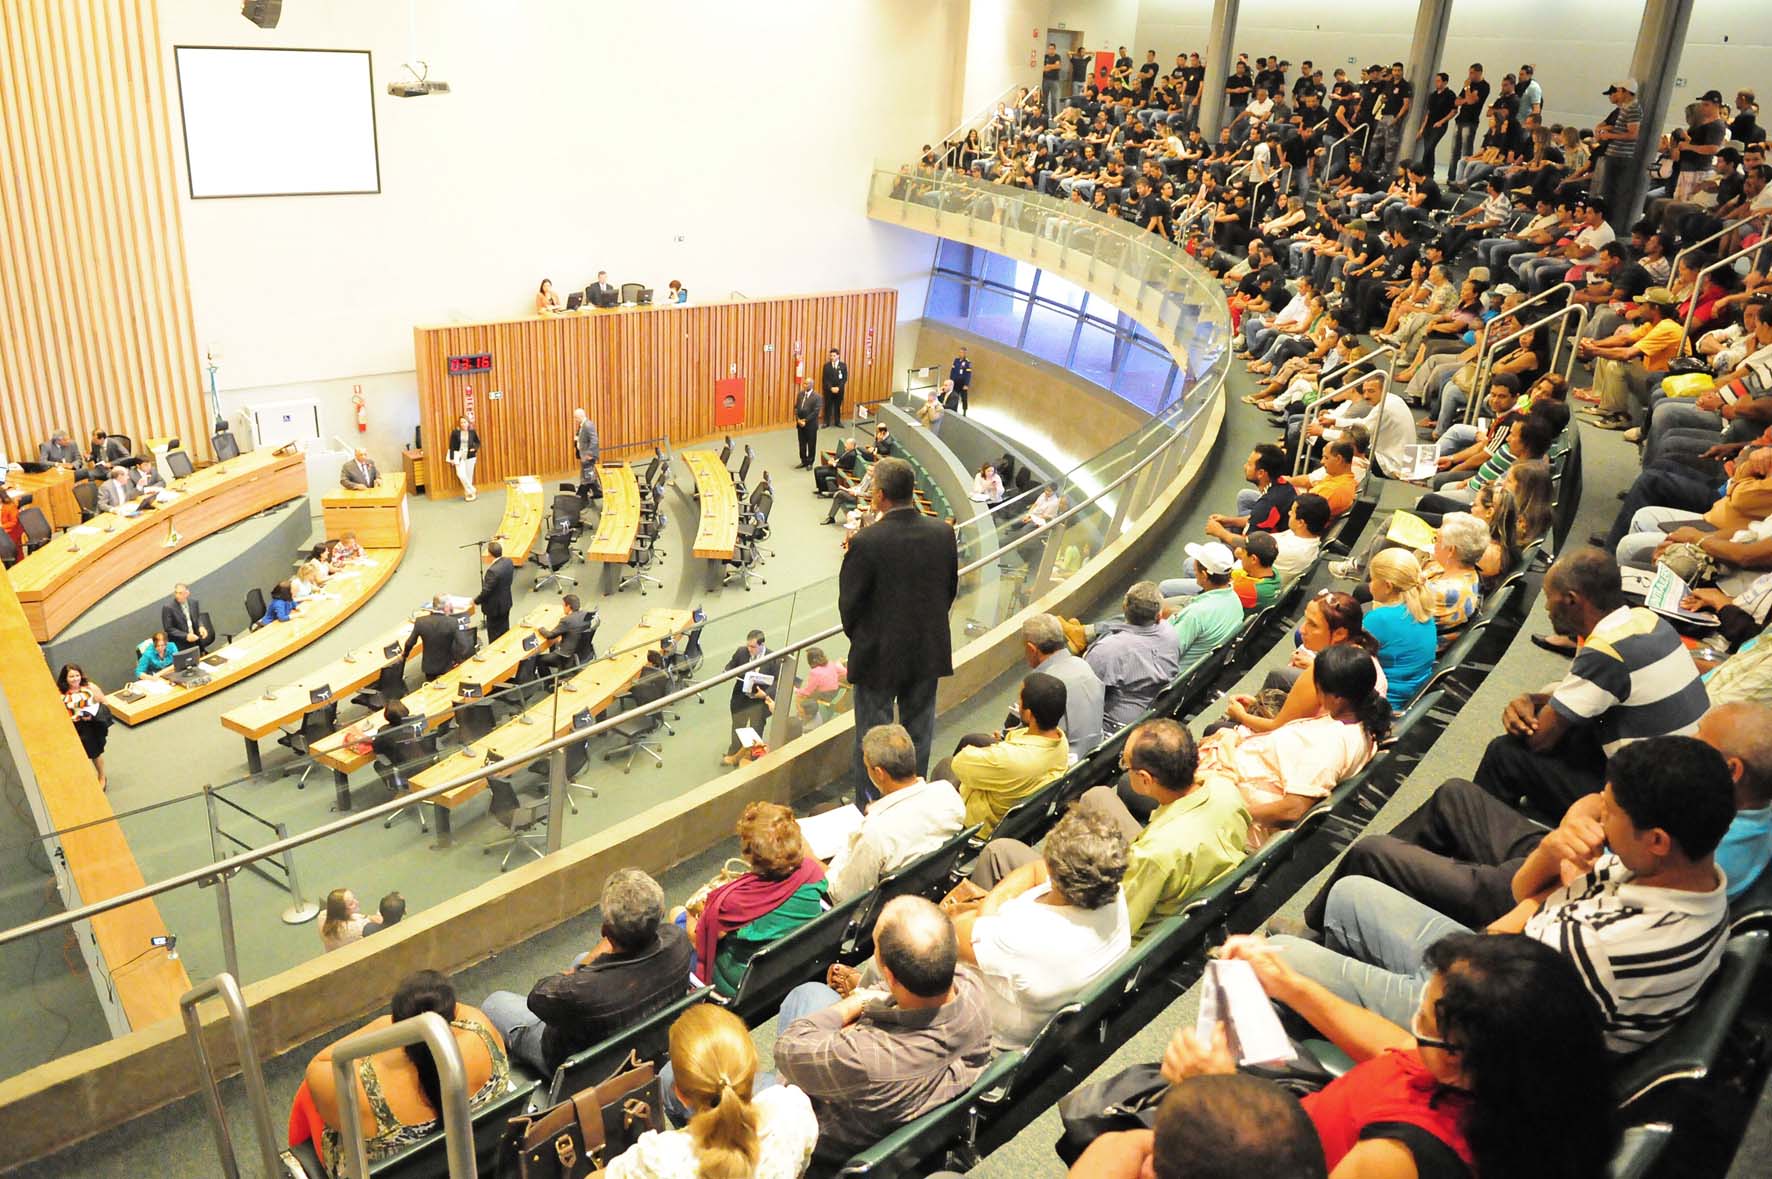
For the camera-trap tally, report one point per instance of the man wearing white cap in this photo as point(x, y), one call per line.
point(1211, 612)
point(1617, 135)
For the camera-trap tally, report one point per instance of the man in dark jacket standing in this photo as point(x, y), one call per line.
point(808, 407)
point(435, 631)
point(494, 598)
point(960, 373)
point(834, 380)
point(897, 584)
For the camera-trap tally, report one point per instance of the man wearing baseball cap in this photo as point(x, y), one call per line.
point(1214, 613)
point(1705, 135)
point(1629, 361)
point(1616, 136)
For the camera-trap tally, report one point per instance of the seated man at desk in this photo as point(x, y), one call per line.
point(360, 473)
point(116, 491)
point(61, 451)
point(437, 633)
point(575, 622)
point(145, 476)
point(601, 293)
point(156, 657)
point(387, 740)
point(183, 619)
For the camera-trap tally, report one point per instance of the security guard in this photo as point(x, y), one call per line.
point(960, 373)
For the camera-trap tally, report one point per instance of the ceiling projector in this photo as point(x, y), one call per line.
point(419, 86)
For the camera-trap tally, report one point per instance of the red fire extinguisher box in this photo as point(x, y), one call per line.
point(729, 402)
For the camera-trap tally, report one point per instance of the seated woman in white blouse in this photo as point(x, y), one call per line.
point(735, 1128)
point(987, 485)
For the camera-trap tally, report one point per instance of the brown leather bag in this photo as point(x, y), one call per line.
point(579, 1136)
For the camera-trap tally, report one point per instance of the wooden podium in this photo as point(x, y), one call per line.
point(376, 514)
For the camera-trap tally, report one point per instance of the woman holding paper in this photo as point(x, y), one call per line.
point(464, 452)
point(85, 702)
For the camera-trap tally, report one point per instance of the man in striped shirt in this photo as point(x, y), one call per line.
point(1632, 678)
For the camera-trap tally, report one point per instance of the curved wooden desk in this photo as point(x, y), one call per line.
point(619, 524)
point(252, 652)
point(525, 508)
point(716, 536)
point(51, 490)
point(82, 565)
point(288, 703)
point(595, 687)
point(436, 699)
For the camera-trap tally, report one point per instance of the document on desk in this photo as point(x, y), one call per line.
point(152, 686)
point(828, 833)
point(1233, 997)
point(528, 483)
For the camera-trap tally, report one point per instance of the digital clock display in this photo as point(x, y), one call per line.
point(479, 362)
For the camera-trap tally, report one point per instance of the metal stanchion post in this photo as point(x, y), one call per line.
point(300, 910)
point(556, 799)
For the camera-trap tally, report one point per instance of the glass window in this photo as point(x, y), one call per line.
point(998, 315)
point(1049, 333)
point(1097, 353)
point(1007, 271)
point(1144, 377)
point(1059, 290)
point(950, 299)
point(953, 255)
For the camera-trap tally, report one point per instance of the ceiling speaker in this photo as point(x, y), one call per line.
point(263, 13)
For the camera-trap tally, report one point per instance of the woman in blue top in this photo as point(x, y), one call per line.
point(282, 605)
point(156, 657)
point(1402, 622)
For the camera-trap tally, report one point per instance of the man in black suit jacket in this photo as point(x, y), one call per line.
point(749, 709)
point(182, 620)
point(898, 581)
point(808, 406)
point(437, 632)
point(583, 624)
point(494, 598)
point(835, 380)
point(960, 373)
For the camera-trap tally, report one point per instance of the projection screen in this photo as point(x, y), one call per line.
point(277, 122)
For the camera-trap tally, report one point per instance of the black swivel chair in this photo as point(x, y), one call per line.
point(643, 556)
point(118, 447)
point(744, 472)
point(390, 684)
point(411, 754)
point(475, 721)
point(726, 451)
point(255, 607)
point(638, 737)
point(556, 557)
point(315, 726)
point(36, 526)
point(525, 823)
point(86, 495)
point(630, 292)
point(568, 512)
point(225, 446)
point(8, 550)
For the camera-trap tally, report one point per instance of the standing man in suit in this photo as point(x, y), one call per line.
point(808, 407)
point(960, 373)
point(436, 631)
point(359, 473)
point(749, 709)
point(494, 598)
point(182, 619)
point(835, 380)
point(897, 584)
point(589, 450)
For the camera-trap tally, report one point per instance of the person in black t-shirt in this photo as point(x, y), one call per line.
point(1471, 102)
point(1153, 213)
point(1049, 79)
point(1081, 59)
point(1238, 87)
point(1147, 75)
point(1442, 106)
point(1705, 136)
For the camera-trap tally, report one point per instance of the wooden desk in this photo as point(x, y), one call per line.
point(51, 490)
point(595, 687)
point(619, 524)
point(99, 862)
point(435, 701)
point(252, 652)
point(59, 581)
point(525, 508)
point(716, 537)
point(412, 465)
point(287, 704)
point(376, 514)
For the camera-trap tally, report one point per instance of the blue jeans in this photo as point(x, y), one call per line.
point(1373, 941)
point(802, 1001)
point(521, 1030)
point(1456, 439)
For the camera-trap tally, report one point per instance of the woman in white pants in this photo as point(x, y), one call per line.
point(464, 452)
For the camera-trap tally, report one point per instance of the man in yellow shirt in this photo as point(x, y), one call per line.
point(1335, 480)
point(995, 773)
point(1629, 361)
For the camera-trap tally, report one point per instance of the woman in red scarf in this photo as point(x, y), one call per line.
point(784, 889)
point(1502, 1076)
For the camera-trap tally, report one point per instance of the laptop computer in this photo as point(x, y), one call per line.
point(575, 300)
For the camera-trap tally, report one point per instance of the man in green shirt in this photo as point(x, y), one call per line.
point(995, 772)
point(1215, 613)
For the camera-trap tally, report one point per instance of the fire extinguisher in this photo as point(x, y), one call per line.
point(362, 411)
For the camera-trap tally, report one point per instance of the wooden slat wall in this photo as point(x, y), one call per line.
point(639, 373)
point(95, 311)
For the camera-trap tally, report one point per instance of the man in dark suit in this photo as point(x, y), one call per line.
point(808, 407)
point(437, 632)
point(359, 473)
point(601, 293)
point(589, 449)
point(834, 381)
point(749, 709)
point(182, 620)
point(898, 581)
point(575, 622)
point(960, 373)
point(494, 598)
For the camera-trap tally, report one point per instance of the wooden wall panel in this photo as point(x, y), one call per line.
point(640, 373)
point(95, 310)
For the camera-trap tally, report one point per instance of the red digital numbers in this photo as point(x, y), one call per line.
point(478, 363)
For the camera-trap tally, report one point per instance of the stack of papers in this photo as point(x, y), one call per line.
point(1233, 997)
point(152, 686)
point(231, 651)
point(528, 483)
point(1412, 532)
point(1664, 595)
point(829, 833)
point(1419, 461)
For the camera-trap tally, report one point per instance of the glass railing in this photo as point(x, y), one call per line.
point(229, 863)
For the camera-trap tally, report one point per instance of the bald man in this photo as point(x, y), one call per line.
point(360, 473)
point(1459, 852)
point(182, 619)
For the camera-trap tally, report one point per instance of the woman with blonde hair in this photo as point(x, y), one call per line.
point(1402, 620)
point(740, 1125)
point(341, 922)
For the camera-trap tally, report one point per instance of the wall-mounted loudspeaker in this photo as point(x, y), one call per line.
point(263, 13)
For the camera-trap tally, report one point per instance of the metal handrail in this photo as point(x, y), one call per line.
point(1486, 359)
point(1541, 296)
point(556, 746)
point(1301, 461)
point(427, 1028)
point(1364, 131)
point(1698, 285)
point(224, 986)
point(1721, 233)
point(977, 118)
point(1271, 181)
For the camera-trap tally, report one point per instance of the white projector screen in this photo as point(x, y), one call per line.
point(277, 122)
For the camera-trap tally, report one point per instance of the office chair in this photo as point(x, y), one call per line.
point(642, 557)
point(637, 739)
point(573, 649)
point(118, 447)
point(652, 472)
point(753, 520)
point(685, 661)
point(522, 684)
point(726, 451)
point(390, 684)
point(86, 495)
point(568, 511)
point(745, 559)
point(744, 472)
point(578, 756)
point(315, 726)
point(475, 721)
point(179, 463)
point(255, 608)
point(225, 446)
point(558, 553)
point(8, 550)
point(410, 754)
point(519, 819)
point(630, 292)
point(36, 526)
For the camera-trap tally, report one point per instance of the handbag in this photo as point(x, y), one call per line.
point(578, 1137)
point(731, 870)
point(1687, 364)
